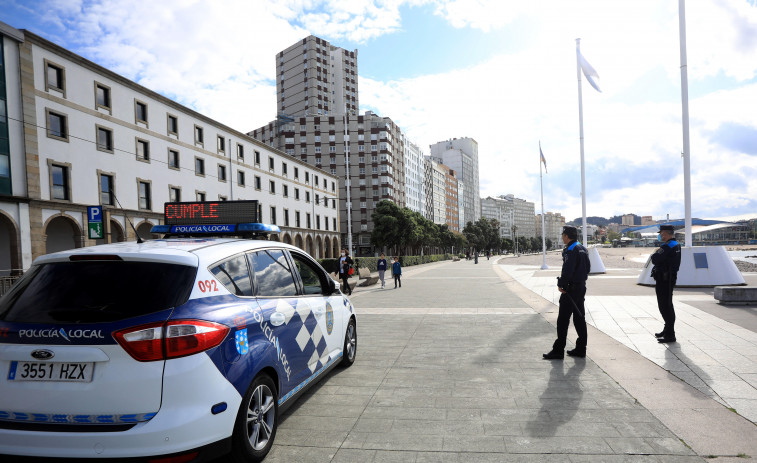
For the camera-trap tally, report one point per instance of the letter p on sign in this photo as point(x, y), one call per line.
point(94, 213)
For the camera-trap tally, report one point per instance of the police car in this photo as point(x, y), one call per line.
point(169, 350)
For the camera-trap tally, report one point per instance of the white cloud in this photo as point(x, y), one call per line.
point(218, 58)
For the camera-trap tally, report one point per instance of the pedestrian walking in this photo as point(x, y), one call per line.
point(572, 286)
point(397, 272)
point(381, 266)
point(345, 265)
point(666, 261)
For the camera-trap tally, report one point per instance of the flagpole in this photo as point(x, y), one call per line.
point(685, 116)
point(581, 135)
point(543, 230)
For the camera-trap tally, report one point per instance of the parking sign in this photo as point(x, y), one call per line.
point(94, 214)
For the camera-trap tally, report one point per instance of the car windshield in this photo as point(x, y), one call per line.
point(102, 291)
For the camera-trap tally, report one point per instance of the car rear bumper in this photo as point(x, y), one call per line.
point(192, 386)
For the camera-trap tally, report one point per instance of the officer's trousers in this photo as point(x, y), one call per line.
point(567, 308)
point(664, 291)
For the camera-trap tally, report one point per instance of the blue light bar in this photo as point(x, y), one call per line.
point(160, 229)
point(258, 228)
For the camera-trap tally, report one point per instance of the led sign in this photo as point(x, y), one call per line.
point(211, 212)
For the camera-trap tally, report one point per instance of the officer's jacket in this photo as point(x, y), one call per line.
point(667, 260)
point(575, 265)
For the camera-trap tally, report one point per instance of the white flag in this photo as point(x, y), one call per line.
point(589, 72)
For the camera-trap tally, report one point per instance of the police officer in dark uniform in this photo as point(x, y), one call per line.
point(667, 261)
point(572, 285)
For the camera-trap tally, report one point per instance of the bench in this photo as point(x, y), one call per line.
point(736, 294)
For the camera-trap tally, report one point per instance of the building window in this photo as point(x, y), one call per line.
point(55, 77)
point(60, 181)
point(257, 158)
point(106, 190)
point(199, 135)
point(307, 178)
point(317, 222)
point(240, 152)
point(173, 159)
point(258, 183)
point(286, 217)
point(285, 190)
point(270, 163)
point(221, 172)
point(307, 196)
point(297, 219)
point(296, 173)
point(240, 178)
point(334, 223)
point(297, 194)
point(273, 215)
point(174, 194)
point(200, 196)
point(272, 187)
point(284, 169)
point(145, 198)
point(104, 139)
point(173, 125)
point(221, 144)
point(102, 96)
point(222, 198)
point(143, 150)
point(199, 167)
point(140, 111)
point(326, 223)
point(57, 125)
point(307, 219)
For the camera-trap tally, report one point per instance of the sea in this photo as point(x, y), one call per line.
point(746, 256)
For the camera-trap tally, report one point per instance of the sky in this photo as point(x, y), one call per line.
point(501, 72)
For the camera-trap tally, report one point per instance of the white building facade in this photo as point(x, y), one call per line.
point(461, 155)
point(414, 198)
point(81, 135)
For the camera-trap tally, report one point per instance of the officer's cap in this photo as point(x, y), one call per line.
point(669, 228)
point(570, 232)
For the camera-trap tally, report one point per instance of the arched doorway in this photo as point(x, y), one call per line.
point(309, 245)
point(318, 248)
point(144, 231)
point(327, 248)
point(298, 242)
point(116, 232)
point(62, 233)
point(335, 247)
point(287, 239)
point(10, 257)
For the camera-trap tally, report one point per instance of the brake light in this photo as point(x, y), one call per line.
point(173, 339)
point(78, 257)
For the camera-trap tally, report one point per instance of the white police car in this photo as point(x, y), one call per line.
point(167, 350)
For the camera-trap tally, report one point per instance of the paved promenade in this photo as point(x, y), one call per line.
point(449, 368)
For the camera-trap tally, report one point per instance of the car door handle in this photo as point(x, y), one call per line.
point(277, 319)
point(319, 312)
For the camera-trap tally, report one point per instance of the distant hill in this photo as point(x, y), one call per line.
point(602, 222)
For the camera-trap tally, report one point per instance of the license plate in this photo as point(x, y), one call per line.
point(49, 371)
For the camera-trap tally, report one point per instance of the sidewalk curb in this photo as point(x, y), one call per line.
point(703, 424)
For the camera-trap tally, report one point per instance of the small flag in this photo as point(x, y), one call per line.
point(589, 72)
point(542, 158)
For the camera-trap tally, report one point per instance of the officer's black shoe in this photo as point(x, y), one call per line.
point(660, 334)
point(577, 352)
point(667, 338)
point(554, 355)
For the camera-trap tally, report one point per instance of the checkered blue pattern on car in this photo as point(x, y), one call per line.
point(310, 379)
point(309, 338)
point(73, 418)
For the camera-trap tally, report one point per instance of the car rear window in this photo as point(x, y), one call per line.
point(103, 291)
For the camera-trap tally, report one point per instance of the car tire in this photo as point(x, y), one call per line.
point(349, 353)
point(257, 421)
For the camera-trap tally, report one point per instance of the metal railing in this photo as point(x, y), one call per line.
point(6, 282)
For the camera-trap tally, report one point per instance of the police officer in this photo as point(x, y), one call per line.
point(572, 285)
point(667, 261)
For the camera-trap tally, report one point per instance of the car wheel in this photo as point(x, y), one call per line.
point(257, 420)
point(350, 345)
